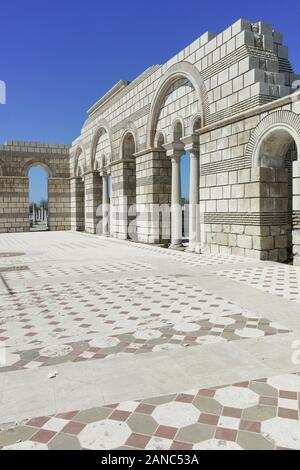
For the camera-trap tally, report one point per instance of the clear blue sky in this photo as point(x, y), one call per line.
point(38, 185)
point(58, 57)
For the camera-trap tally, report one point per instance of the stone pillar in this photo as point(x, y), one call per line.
point(59, 203)
point(192, 146)
point(93, 199)
point(176, 236)
point(194, 203)
point(296, 212)
point(153, 195)
point(77, 204)
point(123, 174)
point(175, 151)
point(105, 206)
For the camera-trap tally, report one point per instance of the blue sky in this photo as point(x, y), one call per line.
point(58, 57)
point(38, 185)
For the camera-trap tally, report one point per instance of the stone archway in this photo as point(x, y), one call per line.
point(274, 148)
point(39, 213)
point(180, 71)
point(37, 175)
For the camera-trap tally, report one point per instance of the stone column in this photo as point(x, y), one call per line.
point(192, 146)
point(194, 202)
point(175, 151)
point(93, 199)
point(105, 205)
point(33, 214)
point(296, 212)
point(176, 236)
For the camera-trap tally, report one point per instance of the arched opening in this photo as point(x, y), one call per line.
point(129, 203)
point(181, 88)
point(173, 115)
point(38, 198)
point(197, 124)
point(275, 153)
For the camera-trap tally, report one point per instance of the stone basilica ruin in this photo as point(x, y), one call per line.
point(230, 101)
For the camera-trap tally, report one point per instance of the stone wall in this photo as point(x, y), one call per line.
point(14, 205)
point(245, 207)
point(16, 159)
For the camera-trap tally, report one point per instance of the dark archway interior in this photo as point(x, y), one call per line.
point(278, 151)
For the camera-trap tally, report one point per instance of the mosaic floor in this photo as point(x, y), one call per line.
point(96, 320)
point(254, 415)
point(68, 298)
point(280, 280)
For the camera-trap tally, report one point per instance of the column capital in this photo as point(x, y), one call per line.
point(191, 144)
point(175, 149)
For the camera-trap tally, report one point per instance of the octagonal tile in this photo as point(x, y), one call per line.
point(166, 347)
point(101, 342)
point(56, 350)
point(147, 334)
point(249, 333)
point(186, 327)
point(217, 444)
point(142, 424)
point(289, 382)
point(218, 319)
point(159, 443)
point(210, 339)
point(284, 432)
point(176, 414)
point(26, 445)
point(236, 397)
point(104, 435)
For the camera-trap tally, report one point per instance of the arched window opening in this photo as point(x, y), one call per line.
point(178, 132)
point(38, 199)
point(277, 151)
point(197, 125)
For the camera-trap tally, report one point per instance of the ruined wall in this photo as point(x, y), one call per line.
point(16, 159)
point(246, 206)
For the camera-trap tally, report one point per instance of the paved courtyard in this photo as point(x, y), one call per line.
point(108, 344)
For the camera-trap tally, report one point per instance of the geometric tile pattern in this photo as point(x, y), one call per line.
point(259, 414)
point(81, 321)
point(280, 280)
